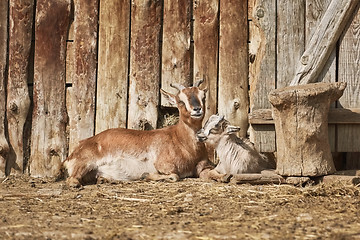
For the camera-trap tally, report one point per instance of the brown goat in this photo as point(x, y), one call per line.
point(169, 153)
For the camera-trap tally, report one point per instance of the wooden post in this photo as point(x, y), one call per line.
point(4, 147)
point(176, 45)
point(233, 101)
point(206, 38)
point(301, 122)
point(82, 124)
point(48, 138)
point(323, 41)
point(113, 66)
point(315, 10)
point(144, 64)
point(18, 100)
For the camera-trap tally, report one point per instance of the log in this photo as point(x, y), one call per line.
point(4, 147)
point(206, 38)
point(176, 45)
point(265, 177)
point(324, 41)
point(233, 98)
point(113, 67)
point(344, 177)
point(48, 138)
point(82, 124)
point(144, 64)
point(301, 124)
point(18, 100)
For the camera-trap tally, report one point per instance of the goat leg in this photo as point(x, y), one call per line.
point(173, 177)
point(212, 174)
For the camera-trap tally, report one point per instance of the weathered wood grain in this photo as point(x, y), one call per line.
point(323, 41)
point(206, 46)
point(315, 10)
point(82, 122)
point(4, 147)
point(144, 64)
point(336, 116)
point(176, 45)
point(349, 72)
point(48, 139)
point(290, 39)
point(233, 101)
point(206, 38)
point(301, 122)
point(262, 67)
point(113, 66)
point(18, 100)
point(265, 177)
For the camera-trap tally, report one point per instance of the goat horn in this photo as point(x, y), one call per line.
point(197, 83)
point(177, 86)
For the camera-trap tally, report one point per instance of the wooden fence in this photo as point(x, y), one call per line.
point(71, 69)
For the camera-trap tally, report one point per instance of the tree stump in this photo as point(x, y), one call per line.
point(301, 124)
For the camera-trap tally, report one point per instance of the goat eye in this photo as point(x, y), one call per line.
point(213, 131)
point(181, 103)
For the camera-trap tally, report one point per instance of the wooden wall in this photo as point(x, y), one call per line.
point(279, 33)
point(101, 64)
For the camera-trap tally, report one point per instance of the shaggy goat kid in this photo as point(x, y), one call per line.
point(236, 155)
point(168, 153)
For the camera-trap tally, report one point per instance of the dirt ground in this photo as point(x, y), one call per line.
point(189, 209)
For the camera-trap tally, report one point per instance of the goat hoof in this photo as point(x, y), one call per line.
point(173, 178)
point(73, 182)
point(226, 178)
point(145, 176)
point(102, 180)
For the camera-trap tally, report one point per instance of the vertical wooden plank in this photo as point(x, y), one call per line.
point(176, 45)
point(18, 100)
point(315, 10)
point(4, 147)
point(48, 138)
point(206, 39)
point(113, 69)
point(233, 100)
point(82, 124)
point(349, 71)
point(144, 64)
point(290, 39)
point(262, 67)
point(70, 68)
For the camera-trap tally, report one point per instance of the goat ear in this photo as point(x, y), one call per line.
point(232, 129)
point(170, 97)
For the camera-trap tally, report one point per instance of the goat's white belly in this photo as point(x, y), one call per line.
point(124, 166)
